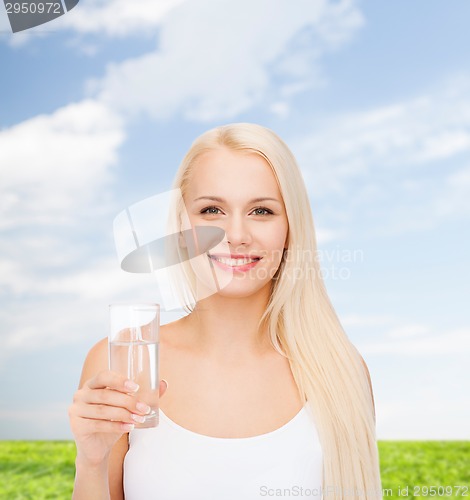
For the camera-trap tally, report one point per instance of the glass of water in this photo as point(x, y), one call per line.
point(133, 351)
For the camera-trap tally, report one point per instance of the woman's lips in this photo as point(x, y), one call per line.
point(234, 264)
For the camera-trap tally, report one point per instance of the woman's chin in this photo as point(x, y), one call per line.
point(239, 289)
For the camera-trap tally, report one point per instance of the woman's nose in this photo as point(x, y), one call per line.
point(237, 231)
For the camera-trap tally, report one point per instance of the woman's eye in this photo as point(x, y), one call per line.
point(257, 211)
point(262, 211)
point(210, 210)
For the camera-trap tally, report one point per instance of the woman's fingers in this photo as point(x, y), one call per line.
point(112, 380)
point(111, 413)
point(112, 398)
point(108, 403)
point(90, 426)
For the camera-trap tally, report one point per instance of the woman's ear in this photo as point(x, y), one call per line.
point(181, 241)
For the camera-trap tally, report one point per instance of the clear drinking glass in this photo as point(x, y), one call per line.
point(133, 351)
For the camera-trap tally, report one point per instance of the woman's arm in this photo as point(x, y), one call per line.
point(115, 468)
point(103, 411)
point(101, 480)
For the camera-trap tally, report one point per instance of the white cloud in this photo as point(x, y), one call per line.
point(280, 108)
point(418, 376)
point(423, 416)
point(325, 235)
point(109, 282)
point(453, 198)
point(443, 145)
point(65, 307)
point(419, 341)
point(4, 23)
point(356, 320)
point(53, 165)
point(219, 66)
point(111, 18)
point(117, 18)
point(49, 423)
point(377, 335)
point(230, 66)
point(55, 172)
point(406, 331)
point(401, 167)
point(391, 138)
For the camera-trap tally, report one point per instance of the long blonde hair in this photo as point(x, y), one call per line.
point(303, 326)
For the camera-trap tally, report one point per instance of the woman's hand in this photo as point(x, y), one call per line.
point(103, 409)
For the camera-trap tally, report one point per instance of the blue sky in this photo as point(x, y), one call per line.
point(98, 107)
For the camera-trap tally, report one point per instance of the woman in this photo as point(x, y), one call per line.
point(267, 395)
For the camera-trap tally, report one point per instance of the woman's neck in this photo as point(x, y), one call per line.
point(226, 328)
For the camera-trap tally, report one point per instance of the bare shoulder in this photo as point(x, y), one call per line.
point(99, 352)
point(96, 361)
point(172, 334)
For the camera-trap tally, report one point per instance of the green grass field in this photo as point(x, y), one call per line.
point(39, 470)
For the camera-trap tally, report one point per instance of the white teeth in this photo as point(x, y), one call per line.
point(234, 262)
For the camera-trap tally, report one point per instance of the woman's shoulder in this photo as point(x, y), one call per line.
point(95, 361)
point(99, 352)
point(172, 334)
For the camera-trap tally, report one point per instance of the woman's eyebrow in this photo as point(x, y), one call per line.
point(221, 200)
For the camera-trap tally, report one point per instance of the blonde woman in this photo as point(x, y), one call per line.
point(264, 395)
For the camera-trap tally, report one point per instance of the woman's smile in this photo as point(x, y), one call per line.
point(240, 263)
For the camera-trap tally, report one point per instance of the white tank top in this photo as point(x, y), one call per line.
point(169, 462)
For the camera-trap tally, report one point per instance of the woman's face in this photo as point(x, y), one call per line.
point(238, 192)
